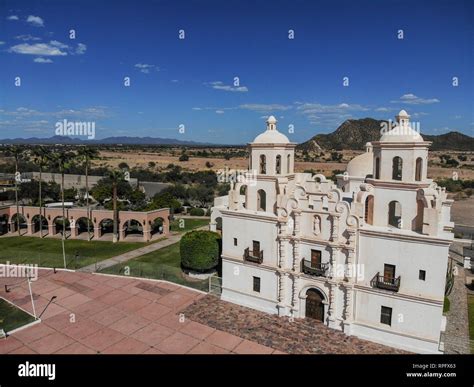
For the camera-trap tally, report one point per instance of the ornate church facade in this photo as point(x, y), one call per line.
point(367, 255)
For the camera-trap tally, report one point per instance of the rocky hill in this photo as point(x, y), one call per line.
point(354, 134)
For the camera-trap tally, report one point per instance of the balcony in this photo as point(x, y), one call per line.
point(386, 283)
point(252, 256)
point(317, 270)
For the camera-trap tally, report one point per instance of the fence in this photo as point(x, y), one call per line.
point(155, 271)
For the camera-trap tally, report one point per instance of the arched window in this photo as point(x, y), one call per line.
point(278, 165)
point(369, 210)
point(261, 200)
point(263, 164)
point(288, 164)
point(397, 164)
point(395, 214)
point(418, 168)
point(377, 167)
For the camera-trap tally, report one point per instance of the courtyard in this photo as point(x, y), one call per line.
point(84, 313)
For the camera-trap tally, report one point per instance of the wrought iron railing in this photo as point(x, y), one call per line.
point(385, 282)
point(318, 269)
point(251, 256)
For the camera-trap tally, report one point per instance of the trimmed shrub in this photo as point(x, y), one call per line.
point(197, 212)
point(200, 250)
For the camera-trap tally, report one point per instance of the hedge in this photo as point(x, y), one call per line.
point(200, 250)
point(197, 212)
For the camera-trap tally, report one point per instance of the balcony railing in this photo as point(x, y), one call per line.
point(251, 256)
point(387, 283)
point(318, 269)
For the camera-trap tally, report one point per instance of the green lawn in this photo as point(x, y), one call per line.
point(48, 252)
point(12, 317)
point(185, 225)
point(163, 264)
point(470, 309)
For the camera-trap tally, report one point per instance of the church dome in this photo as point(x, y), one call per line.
point(271, 135)
point(362, 165)
point(403, 131)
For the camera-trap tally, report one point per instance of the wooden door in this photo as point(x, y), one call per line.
point(256, 249)
point(315, 258)
point(389, 272)
point(314, 305)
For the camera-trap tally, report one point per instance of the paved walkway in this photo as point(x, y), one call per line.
point(170, 240)
point(456, 336)
point(94, 313)
point(300, 336)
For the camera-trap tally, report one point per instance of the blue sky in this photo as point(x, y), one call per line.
point(190, 81)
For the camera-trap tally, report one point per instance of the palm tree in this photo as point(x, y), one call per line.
point(86, 154)
point(40, 158)
point(17, 152)
point(62, 160)
point(116, 177)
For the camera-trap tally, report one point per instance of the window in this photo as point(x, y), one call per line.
point(278, 165)
point(397, 164)
point(256, 284)
point(395, 214)
point(235, 241)
point(263, 164)
point(288, 164)
point(261, 200)
point(385, 315)
point(419, 165)
point(422, 275)
point(243, 191)
point(369, 210)
point(377, 168)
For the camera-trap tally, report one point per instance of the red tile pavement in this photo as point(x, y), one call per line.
point(95, 313)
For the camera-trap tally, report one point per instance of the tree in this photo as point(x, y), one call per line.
point(202, 194)
point(184, 157)
point(165, 200)
point(116, 177)
point(62, 160)
point(123, 165)
point(40, 158)
point(86, 154)
point(17, 152)
point(200, 250)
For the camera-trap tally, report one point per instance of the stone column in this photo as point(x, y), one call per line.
point(96, 233)
point(334, 262)
point(73, 232)
point(348, 318)
point(296, 254)
point(51, 228)
point(29, 228)
point(332, 306)
point(335, 228)
point(294, 302)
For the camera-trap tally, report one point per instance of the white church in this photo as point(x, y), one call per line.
point(367, 256)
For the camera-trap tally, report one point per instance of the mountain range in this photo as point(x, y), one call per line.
point(354, 134)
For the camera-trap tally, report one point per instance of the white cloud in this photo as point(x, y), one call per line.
point(220, 111)
point(42, 60)
point(197, 108)
point(2, 43)
point(35, 20)
point(145, 68)
point(55, 43)
point(218, 85)
point(264, 108)
point(412, 99)
point(42, 49)
point(13, 17)
point(27, 37)
point(382, 109)
point(81, 49)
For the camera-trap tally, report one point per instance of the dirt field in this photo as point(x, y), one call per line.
point(162, 158)
point(462, 212)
